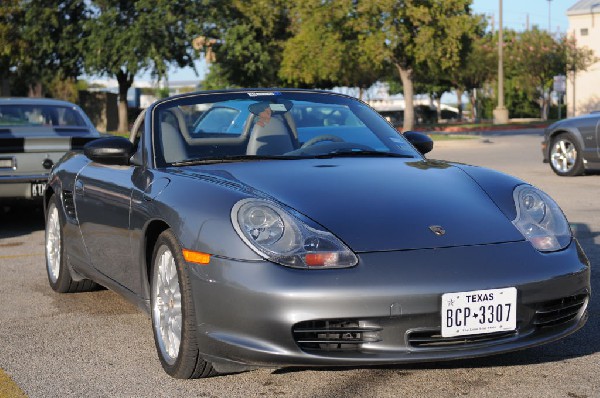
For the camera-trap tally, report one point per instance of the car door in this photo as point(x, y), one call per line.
point(103, 201)
point(588, 128)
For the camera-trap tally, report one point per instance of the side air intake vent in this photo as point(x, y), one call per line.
point(69, 204)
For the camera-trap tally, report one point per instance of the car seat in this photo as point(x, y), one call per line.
point(271, 139)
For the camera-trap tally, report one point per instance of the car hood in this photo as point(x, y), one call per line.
point(378, 204)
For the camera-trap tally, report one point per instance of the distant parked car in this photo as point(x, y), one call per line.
point(572, 146)
point(34, 134)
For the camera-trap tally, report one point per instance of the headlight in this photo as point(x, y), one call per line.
point(540, 220)
point(281, 237)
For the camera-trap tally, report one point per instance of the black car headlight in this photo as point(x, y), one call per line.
point(540, 220)
point(281, 237)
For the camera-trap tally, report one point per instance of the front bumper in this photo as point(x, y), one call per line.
point(249, 313)
point(20, 186)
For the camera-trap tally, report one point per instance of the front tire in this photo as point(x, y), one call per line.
point(566, 156)
point(59, 276)
point(173, 316)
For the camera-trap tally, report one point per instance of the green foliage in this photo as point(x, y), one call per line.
point(40, 41)
point(12, 45)
point(125, 37)
point(250, 44)
point(414, 34)
point(325, 50)
point(215, 79)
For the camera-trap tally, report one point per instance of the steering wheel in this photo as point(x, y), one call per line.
point(321, 138)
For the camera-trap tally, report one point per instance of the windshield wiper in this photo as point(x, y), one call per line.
point(362, 153)
point(229, 159)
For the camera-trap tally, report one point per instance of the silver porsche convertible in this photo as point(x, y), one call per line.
point(298, 228)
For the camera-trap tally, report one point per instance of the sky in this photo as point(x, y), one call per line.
point(515, 15)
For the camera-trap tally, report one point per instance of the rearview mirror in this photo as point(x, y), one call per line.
point(109, 150)
point(422, 142)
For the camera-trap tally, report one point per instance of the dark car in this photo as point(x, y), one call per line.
point(34, 134)
point(572, 146)
point(292, 241)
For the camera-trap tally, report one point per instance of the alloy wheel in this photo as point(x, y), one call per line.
point(167, 313)
point(53, 244)
point(563, 155)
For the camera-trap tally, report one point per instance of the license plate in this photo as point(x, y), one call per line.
point(37, 188)
point(479, 312)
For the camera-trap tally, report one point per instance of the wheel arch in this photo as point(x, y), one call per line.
point(561, 130)
point(153, 231)
point(47, 195)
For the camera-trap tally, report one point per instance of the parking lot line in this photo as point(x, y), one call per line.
point(21, 255)
point(8, 388)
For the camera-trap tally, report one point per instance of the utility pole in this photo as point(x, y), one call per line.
point(500, 113)
point(549, 20)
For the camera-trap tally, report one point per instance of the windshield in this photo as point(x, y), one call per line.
point(39, 115)
point(235, 126)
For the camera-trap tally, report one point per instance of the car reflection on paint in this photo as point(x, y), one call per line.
point(257, 236)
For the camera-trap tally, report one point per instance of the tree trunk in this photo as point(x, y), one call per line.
point(35, 90)
point(125, 80)
point(459, 104)
point(409, 106)
point(474, 111)
point(438, 107)
point(545, 106)
point(5, 88)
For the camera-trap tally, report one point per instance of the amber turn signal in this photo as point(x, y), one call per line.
point(196, 257)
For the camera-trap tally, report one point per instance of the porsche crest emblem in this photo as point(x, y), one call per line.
point(437, 230)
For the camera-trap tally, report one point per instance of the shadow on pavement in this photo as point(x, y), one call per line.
point(21, 220)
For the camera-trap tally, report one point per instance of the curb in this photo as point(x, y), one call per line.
point(461, 129)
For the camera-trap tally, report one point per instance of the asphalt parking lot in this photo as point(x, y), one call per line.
point(98, 345)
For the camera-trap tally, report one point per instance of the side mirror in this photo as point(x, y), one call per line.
point(422, 142)
point(109, 150)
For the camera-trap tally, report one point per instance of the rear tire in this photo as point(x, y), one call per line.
point(59, 276)
point(173, 315)
point(566, 158)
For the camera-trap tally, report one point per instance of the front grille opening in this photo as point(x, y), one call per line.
point(335, 335)
point(556, 312)
point(433, 339)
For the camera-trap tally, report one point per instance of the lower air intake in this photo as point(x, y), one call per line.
point(433, 339)
point(555, 312)
point(335, 335)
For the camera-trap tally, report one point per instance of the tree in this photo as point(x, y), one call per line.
point(325, 49)
point(249, 42)
point(478, 68)
point(125, 37)
point(413, 32)
point(11, 43)
point(41, 43)
point(535, 57)
point(53, 31)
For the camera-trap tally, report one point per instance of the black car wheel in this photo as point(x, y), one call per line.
point(57, 269)
point(566, 156)
point(173, 316)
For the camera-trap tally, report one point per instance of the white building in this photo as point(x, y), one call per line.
point(583, 94)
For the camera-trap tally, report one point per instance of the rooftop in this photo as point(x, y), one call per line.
point(584, 7)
